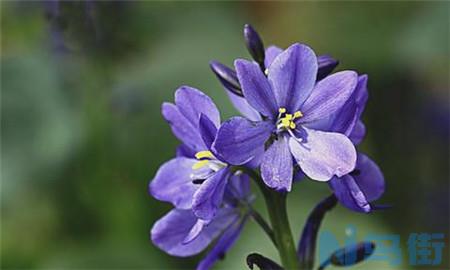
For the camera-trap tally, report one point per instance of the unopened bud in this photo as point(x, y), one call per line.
point(227, 77)
point(254, 44)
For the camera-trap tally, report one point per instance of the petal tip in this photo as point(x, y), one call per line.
point(165, 107)
point(240, 63)
point(185, 89)
point(364, 77)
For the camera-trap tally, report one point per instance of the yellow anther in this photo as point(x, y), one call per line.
point(285, 122)
point(204, 154)
point(199, 164)
point(298, 114)
point(288, 120)
point(266, 71)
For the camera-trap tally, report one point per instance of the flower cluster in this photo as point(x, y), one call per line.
point(298, 120)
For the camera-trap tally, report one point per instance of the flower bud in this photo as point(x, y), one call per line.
point(227, 77)
point(307, 244)
point(254, 45)
point(352, 254)
point(262, 262)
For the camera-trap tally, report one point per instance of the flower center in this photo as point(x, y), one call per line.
point(286, 120)
point(205, 167)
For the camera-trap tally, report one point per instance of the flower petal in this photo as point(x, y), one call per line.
point(185, 151)
point(349, 193)
point(209, 196)
point(192, 102)
point(169, 232)
point(172, 182)
point(363, 185)
point(298, 176)
point(328, 96)
point(238, 188)
point(207, 130)
point(292, 75)
point(196, 230)
point(224, 243)
point(326, 66)
point(358, 133)
point(256, 87)
point(244, 108)
point(362, 93)
point(271, 53)
point(345, 119)
point(276, 167)
point(239, 140)
point(323, 154)
point(369, 177)
point(184, 130)
point(256, 160)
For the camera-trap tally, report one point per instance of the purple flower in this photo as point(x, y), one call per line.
point(229, 80)
point(291, 103)
point(197, 177)
point(181, 233)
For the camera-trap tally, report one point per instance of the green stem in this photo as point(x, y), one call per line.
point(276, 206)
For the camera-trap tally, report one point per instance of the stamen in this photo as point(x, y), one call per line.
point(293, 136)
point(199, 164)
point(287, 122)
point(216, 165)
point(204, 154)
point(298, 114)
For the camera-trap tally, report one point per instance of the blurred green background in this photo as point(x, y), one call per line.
point(82, 133)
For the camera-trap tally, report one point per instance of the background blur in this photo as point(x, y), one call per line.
point(82, 133)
